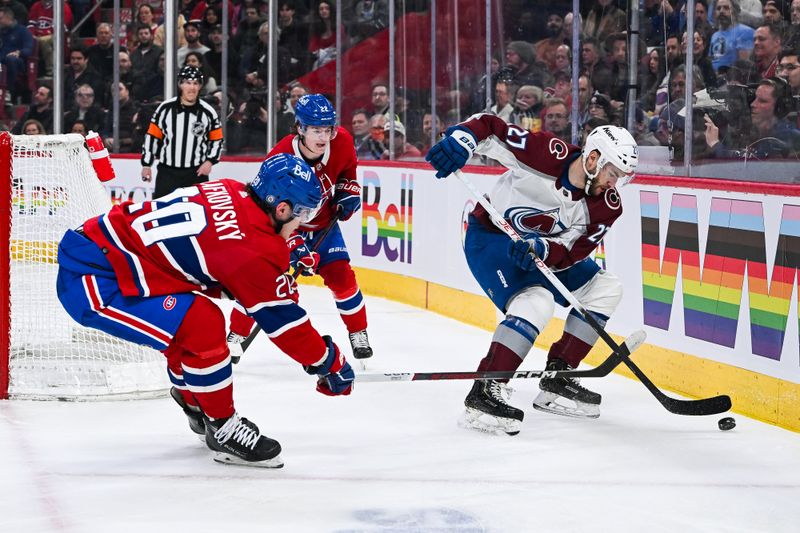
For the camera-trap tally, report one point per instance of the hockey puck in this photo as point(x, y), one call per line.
point(726, 423)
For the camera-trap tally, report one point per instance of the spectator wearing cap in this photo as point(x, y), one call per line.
point(792, 35)
point(600, 106)
point(185, 136)
point(546, 48)
point(402, 149)
point(191, 32)
point(522, 66)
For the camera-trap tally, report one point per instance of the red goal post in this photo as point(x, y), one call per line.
point(48, 185)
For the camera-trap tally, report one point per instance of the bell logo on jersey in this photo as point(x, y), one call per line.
point(527, 220)
point(305, 174)
point(169, 302)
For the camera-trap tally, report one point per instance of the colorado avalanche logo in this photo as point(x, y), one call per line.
point(612, 199)
point(528, 220)
point(169, 303)
point(558, 148)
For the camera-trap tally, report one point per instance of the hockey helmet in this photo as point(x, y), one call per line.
point(189, 72)
point(315, 110)
point(614, 145)
point(287, 178)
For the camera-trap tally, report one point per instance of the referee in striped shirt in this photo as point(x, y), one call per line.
point(185, 136)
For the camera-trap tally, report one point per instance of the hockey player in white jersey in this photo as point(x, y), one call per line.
point(561, 200)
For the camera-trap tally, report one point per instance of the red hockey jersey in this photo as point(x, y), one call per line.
point(211, 238)
point(338, 164)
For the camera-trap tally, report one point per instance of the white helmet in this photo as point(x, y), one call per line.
point(616, 146)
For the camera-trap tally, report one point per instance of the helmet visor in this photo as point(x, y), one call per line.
point(306, 214)
point(319, 133)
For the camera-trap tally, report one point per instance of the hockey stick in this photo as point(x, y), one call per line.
point(705, 406)
point(601, 370)
point(327, 229)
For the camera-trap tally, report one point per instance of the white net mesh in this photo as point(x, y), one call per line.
point(54, 188)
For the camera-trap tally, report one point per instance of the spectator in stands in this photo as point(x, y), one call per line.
point(641, 130)
point(589, 125)
point(585, 92)
point(792, 36)
point(195, 59)
point(562, 59)
point(359, 125)
point(766, 47)
point(503, 94)
point(732, 40)
point(126, 73)
point(772, 135)
point(525, 28)
point(402, 149)
point(126, 112)
point(213, 59)
point(593, 65)
point(85, 109)
point(701, 59)
point(604, 19)
point(101, 54)
point(556, 119)
point(546, 48)
point(658, 20)
point(211, 18)
point(19, 9)
point(79, 127)
point(701, 22)
point(32, 127)
point(380, 98)
point(650, 76)
point(528, 108)
point(375, 146)
point(16, 46)
point(41, 110)
point(371, 16)
point(773, 15)
point(80, 72)
point(789, 68)
point(672, 50)
point(145, 60)
point(40, 23)
point(521, 61)
point(600, 107)
point(191, 32)
point(562, 86)
point(428, 125)
point(617, 47)
point(145, 16)
point(294, 37)
point(259, 75)
point(246, 39)
point(322, 42)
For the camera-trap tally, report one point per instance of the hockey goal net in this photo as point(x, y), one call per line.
point(48, 185)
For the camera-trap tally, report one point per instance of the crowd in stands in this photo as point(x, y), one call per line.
point(745, 72)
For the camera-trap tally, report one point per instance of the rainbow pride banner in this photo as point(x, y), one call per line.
point(713, 285)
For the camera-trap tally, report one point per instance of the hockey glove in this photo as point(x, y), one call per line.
point(301, 256)
point(452, 152)
point(520, 252)
point(335, 373)
point(347, 198)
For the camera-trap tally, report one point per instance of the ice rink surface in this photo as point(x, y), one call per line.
point(391, 458)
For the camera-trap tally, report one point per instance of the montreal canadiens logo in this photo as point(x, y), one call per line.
point(169, 303)
point(528, 220)
point(558, 148)
point(612, 199)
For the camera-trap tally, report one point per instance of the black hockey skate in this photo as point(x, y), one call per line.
point(238, 441)
point(586, 403)
point(193, 413)
point(360, 344)
point(488, 409)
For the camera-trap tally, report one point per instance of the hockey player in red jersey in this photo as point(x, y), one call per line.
point(330, 151)
point(562, 201)
point(142, 271)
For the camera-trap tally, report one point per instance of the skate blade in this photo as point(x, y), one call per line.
point(227, 459)
point(480, 421)
point(548, 402)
